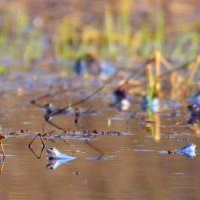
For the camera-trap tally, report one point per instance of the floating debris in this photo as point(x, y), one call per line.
point(19, 133)
point(65, 135)
point(88, 134)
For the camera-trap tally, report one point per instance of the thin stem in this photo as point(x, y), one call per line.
point(47, 95)
point(38, 135)
point(38, 157)
point(78, 102)
point(55, 125)
point(95, 148)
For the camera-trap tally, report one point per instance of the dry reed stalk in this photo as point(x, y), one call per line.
point(157, 71)
point(150, 82)
point(174, 85)
point(193, 69)
point(168, 66)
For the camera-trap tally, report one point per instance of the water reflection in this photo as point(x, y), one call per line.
point(189, 151)
point(153, 125)
point(195, 128)
point(24, 176)
point(1, 144)
point(53, 164)
point(189, 154)
point(2, 162)
point(38, 156)
point(56, 158)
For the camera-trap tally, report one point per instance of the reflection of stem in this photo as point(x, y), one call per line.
point(126, 121)
point(195, 128)
point(43, 126)
point(95, 148)
point(55, 125)
point(38, 157)
point(2, 149)
point(2, 165)
point(38, 135)
point(157, 71)
point(155, 128)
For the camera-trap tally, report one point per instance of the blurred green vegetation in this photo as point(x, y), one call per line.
point(19, 41)
point(23, 42)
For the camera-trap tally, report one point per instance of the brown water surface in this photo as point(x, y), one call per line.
point(133, 168)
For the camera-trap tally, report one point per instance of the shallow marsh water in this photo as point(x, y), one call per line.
point(133, 168)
